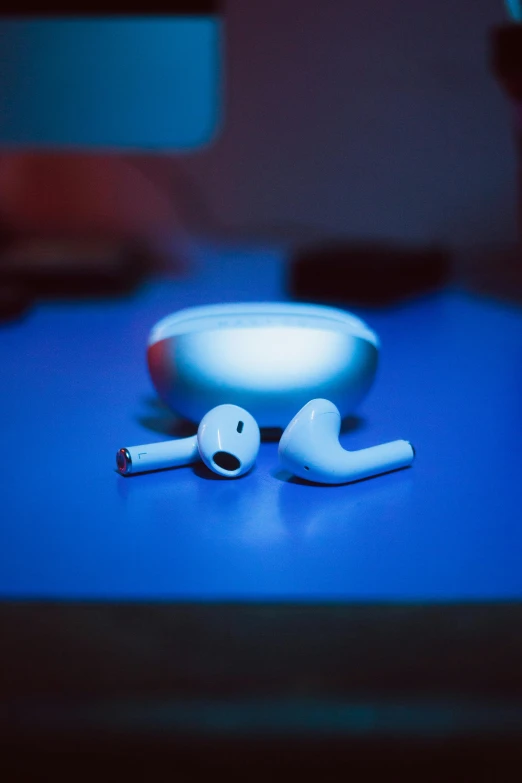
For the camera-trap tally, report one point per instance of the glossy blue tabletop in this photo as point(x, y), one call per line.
point(75, 388)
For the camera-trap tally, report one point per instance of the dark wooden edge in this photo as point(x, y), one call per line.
point(93, 649)
point(181, 676)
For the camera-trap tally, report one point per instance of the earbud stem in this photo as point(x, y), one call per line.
point(375, 460)
point(155, 456)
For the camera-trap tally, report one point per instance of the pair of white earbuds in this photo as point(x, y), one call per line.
point(228, 441)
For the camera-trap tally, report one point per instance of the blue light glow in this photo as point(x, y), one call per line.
point(146, 83)
point(514, 9)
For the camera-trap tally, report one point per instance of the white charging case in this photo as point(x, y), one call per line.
point(268, 357)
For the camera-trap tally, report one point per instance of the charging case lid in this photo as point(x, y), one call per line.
point(268, 357)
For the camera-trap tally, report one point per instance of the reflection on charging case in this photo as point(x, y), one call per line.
point(270, 358)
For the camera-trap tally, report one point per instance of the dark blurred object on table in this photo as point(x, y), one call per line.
point(369, 273)
point(39, 267)
point(506, 58)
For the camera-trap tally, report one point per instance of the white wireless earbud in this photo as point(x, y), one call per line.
point(310, 448)
point(227, 441)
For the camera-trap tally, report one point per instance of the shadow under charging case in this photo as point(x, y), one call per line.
point(268, 357)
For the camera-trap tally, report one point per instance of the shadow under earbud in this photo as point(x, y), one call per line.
point(288, 478)
point(271, 434)
point(162, 420)
point(352, 423)
point(142, 473)
point(200, 469)
point(348, 424)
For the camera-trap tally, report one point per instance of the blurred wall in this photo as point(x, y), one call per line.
point(342, 118)
point(363, 119)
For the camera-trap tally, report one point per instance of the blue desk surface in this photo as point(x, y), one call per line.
point(75, 387)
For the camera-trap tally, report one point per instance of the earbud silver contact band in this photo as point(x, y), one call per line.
point(124, 462)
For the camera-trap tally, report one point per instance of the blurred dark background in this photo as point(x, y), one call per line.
point(348, 119)
point(342, 122)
